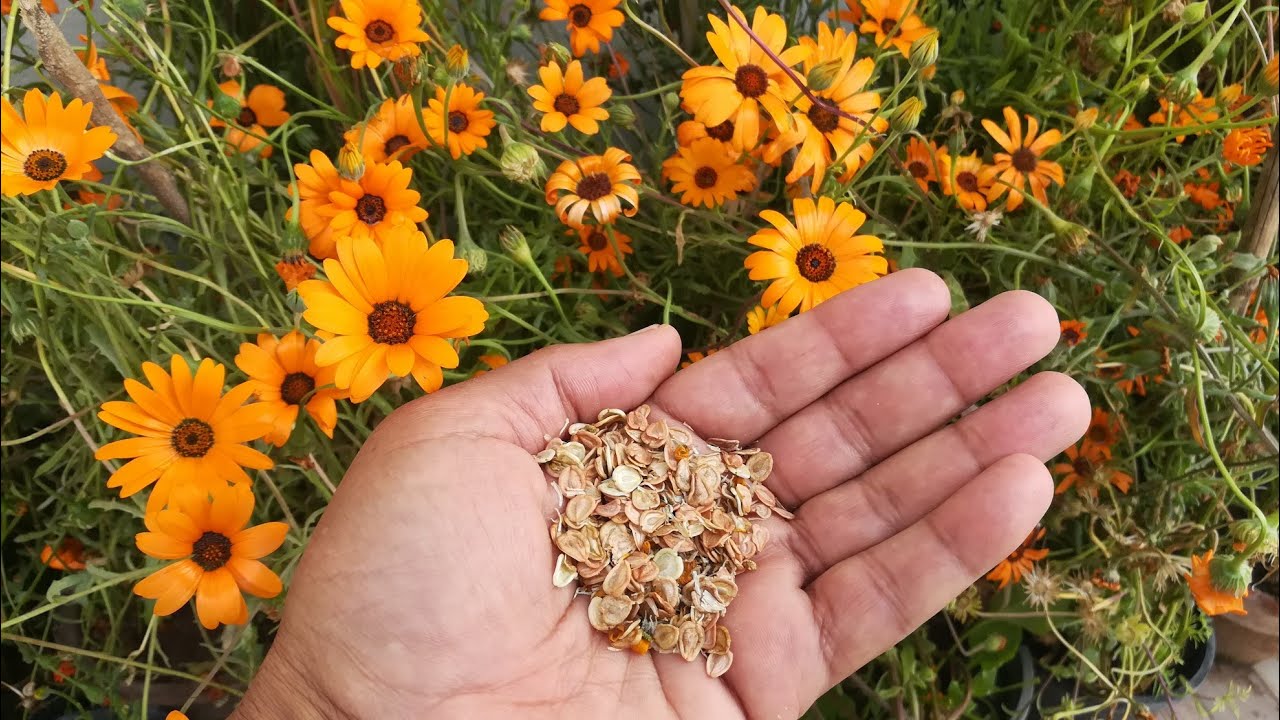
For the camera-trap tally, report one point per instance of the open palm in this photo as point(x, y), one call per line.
point(426, 588)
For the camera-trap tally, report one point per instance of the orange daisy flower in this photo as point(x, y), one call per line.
point(1210, 599)
point(1102, 435)
point(761, 317)
point(747, 80)
point(1271, 73)
point(217, 556)
point(1136, 385)
point(1179, 234)
point(463, 125)
point(1127, 182)
point(283, 373)
point(189, 433)
point(852, 12)
point(110, 201)
point(1203, 193)
point(599, 183)
point(590, 22)
point(1086, 470)
point(885, 17)
point(817, 257)
point(1073, 332)
point(1020, 561)
point(1259, 334)
point(385, 311)
point(92, 60)
point(262, 108)
point(966, 178)
point(924, 161)
point(70, 555)
point(600, 253)
point(566, 98)
point(393, 133)
point(293, 268)
point(1021, 162)
point(47, 143)
point(707, 173)
point(1246, 146)
point(377, 30)
point(378, 204)
point(1199, 111)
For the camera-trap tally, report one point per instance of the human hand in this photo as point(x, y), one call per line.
point(426, 589)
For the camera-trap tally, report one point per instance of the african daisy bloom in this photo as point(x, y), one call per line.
point(883, 18)
point(377, 30)
point(1203, 193)
point(1102, 435)
point(1199, 111)
point(1086, 470)
point(827, 132)
point(376, 205)
point(707, 173)
point(600, 253)
point(690, 130)
point(565, 98)
point(590, 22)
point(386, 311)
point(967, 179)
point(190, 433)
point(1179, 234)
point(463, 125)
point(262, 108)
point(1020, 164)
point(217, 556)
point(393, 133)
point(95, 63)
point(924, 162)
point(1210, 599)
point(761, 317)
point(1072, 332)
point(1020, 561)
point(284, 374)
point(175, 715)
point(47, 143)
point(70, 555)
point(817, 257)
point(748, 79)
point(1246, 146)
point(293, 268)
point(599, 183)
point(315, 182)
point(1127, 182)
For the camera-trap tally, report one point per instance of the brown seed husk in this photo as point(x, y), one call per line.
point(655, 533)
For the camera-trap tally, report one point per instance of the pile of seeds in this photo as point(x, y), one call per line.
point(656, 533)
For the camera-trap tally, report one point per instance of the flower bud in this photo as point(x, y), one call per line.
point(475, 256)
point(1230, 574)
point(350, 162)
point(1270, 76)
point(513, 242)
point(622, 115)
point(521, 162)
point(1194, 12)
point(1182, 87)
point(555, 52)
point(521, 32)
point(227, 106)
point(823, 75)
point(924, 51)
point(1252, 531)
point(133, 9)
point(457, 63)
point(1173, 10)
point(230, 66)
point(906, 116)
point(957, 97)
point(1086, 118)
point(409, 71)
point(670, 101)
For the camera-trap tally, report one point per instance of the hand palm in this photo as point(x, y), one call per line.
point(426, 589)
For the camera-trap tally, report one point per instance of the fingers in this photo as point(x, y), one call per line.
point(870, 601)
point(535, 396)
point(756, 383)
point(1039, 418)
point(908, 395)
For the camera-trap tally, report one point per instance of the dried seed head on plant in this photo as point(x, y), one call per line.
point(656, 533)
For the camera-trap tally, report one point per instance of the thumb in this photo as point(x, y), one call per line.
point(535, 396)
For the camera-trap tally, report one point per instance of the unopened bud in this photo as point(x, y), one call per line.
point(475, 256)
point(409, 71)
point(521, 32)
point(622, 115)
point(1194, 12)
point(670, 101)
point(1173, 10)
point(350, 162)
point(924, 51)
point(1182, 87)
point(1270, 76)
point(513, 242)
point(823, 75)
point(456, 63)
point(1086, 118)
point(230, 66)
point(957, 97)
point(557, 53)
point(521, 162)
point(1230, 574)
point(906, 116)
point(1254, 532)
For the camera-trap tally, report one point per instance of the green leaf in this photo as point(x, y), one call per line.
point(68, 584)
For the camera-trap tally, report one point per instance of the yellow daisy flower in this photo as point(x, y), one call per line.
point(376, 205)
point(1021, 164)
point(599, 183)
point(283, 374)
point(47, 143)
point(761, 317)
point(591, 22)
point(565, 98)
point(599, 251)
point(393, 133)
point(707, 173)
point(966, 178)
point(377, 30)
point(467, 124)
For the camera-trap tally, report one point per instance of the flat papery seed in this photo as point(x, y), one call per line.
point(670, 566)
point(545, 456)
point(565, 572)
point(571, 453)
point(645, 499)
point(741, 471)
point(764, 495)
point(690, 642)
point(718, 664)
point(759, 536)
point(612, 490)
point(667, 590)
point(639, 455)
point(783, 513)
point(605, 612)
point(579, 509)
point(721, 645)
point(665, 637)
point(651, 520)
point(589, 441)
point(725, 588)
point(705, 601)
point(678, 542)
point(626, 478)
point(617, 581)
point(760, 465)
point(616, 540)
point(574, 544)
point(680, 435)
point(609, 509)
point(645, 573)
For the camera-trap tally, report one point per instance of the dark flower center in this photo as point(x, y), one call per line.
point(566, 104)
point(918, 168)
point(888, 24)
point(391, 323)
point(722, 132)
point(371, 209)
point(379, 31)
point(191, 438)
point(1100, 434)
point(44, 165)
point(594, 186)
point(1082, 467)
point(1024, 160)
point(580, 15)
point(458, 121)
point(816, 262)
point(705, 177)
point(296, 385)
point(1070, 336)
point(247, 117)
point(597, 241)
point(394, 143)
point(823, 118)
point(211, 551)
point(751, 80)
point(967, 181)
